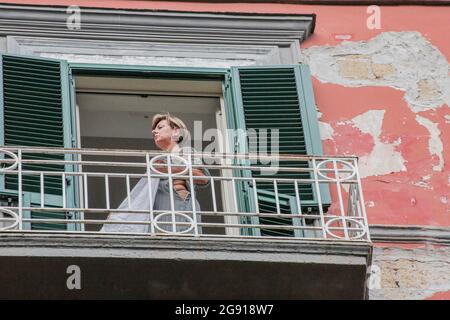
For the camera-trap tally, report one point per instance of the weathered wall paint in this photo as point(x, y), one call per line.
point(440, 296)
point(434, 143)
point(404, 84)
point(397, 77)
point(418, 195)
point(400, 60)
point(383, 158)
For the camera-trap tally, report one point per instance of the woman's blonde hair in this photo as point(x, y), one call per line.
point(174, 122)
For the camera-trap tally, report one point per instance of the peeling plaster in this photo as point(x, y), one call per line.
point(405, 61)
point(370, 204)
point(326, 131)
point(423, 184)
point(435, 145)
point(447, 118)
point(383, 159)
point(445, 295)
point(370, 122)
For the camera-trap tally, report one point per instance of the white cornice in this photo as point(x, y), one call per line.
point(410, 234)
point(146, 53)
point(159, 26)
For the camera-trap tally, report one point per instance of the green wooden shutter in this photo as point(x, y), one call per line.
point(288, 205)
point(279, 98)
point(35, 107)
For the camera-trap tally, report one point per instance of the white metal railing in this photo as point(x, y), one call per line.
point(95, 191)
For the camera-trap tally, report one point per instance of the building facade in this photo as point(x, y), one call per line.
point(353, 96)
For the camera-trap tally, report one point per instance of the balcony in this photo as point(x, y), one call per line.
point(259, 226)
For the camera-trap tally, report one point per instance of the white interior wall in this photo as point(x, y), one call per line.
point(129, 116)
point(117, 113)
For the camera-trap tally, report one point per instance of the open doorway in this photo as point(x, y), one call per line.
point(116, 113)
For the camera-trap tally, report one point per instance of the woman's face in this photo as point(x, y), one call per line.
point(163, 134)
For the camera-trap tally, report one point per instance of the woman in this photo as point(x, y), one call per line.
point(170, 134)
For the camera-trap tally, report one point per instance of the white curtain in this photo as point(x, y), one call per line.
point(140, 200)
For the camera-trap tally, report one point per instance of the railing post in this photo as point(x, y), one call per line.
point(194, 209)
point(213, 195)
point(255, 194)
point(150, 194)
point(19, 169)
point(319, 198)
point(42, 190)
point(127, 178)
point(64, 190)
point(108, 205)
point(86, 193)
point(341, 201)
point(277, 199)
point(172, 204)
point(361, 200)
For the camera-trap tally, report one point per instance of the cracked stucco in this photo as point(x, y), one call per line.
point(435, 145)
point(325, 129)
point(383, 159)
point(401, 60)
point(424, 182)
point(411, 273)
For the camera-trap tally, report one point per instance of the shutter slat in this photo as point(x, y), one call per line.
point(46, 125)
point(32, 66)
point(32, 61)
point(39, 132)
point(22, 81)
point(271, 99)
point(35, 94)
point(42, 87)
point(30, 112)
point(38, 101)
point(31, 77)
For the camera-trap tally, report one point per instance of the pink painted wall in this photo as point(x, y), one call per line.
point(440, 296)
point(392, 198)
